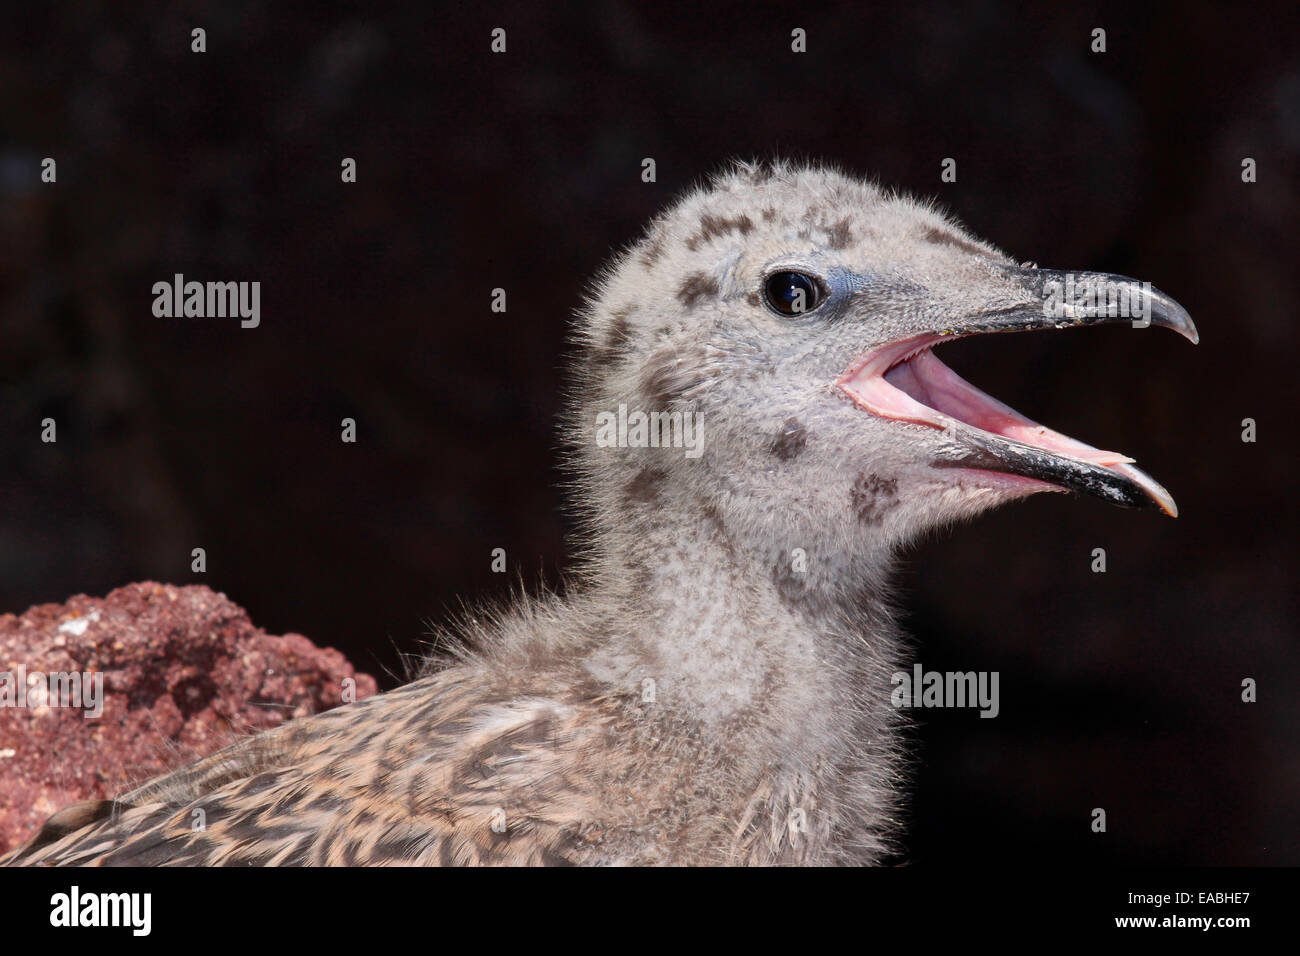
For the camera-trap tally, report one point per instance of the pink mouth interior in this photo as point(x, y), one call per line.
point(906, 382)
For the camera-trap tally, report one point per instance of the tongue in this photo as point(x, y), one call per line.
point(927, 380)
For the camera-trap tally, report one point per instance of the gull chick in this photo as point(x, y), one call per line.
point(759, 421)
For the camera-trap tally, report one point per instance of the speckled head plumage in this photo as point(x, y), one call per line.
point(715, 686)
point(794, 439)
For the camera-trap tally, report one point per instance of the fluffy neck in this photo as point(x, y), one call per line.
point(784, 650)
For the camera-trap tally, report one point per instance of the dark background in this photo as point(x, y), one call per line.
point(522, 171)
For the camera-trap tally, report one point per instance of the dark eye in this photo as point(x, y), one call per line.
point(792, 293)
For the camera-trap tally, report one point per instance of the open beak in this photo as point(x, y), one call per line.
point(904, 381)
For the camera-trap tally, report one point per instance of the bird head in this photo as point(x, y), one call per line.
point(795, 313)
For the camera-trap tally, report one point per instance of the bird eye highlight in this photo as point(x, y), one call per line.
point(792, 293)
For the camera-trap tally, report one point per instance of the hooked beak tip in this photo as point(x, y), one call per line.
point(1171, 315)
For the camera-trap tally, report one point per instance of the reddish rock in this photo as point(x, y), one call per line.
point(184, 672)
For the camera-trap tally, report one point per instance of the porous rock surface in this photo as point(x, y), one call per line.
point(184, 673)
